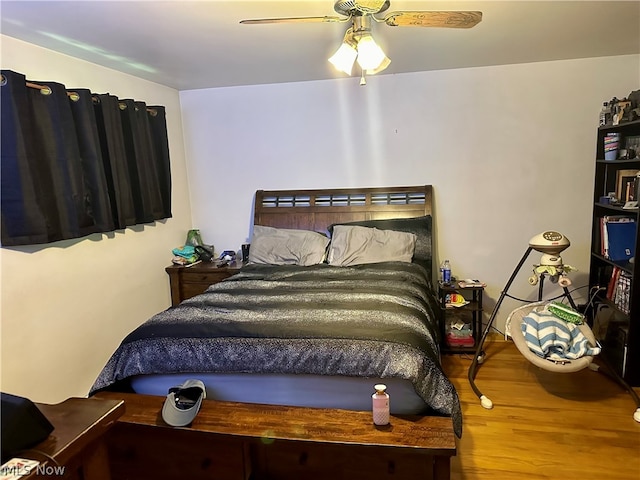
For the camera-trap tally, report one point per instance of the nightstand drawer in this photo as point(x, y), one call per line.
point(187, 282)
point(205, 277)
point(188, 290)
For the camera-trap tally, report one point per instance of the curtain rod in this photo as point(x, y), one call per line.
point(43, 88)
point(72, 95)
point(47, 91)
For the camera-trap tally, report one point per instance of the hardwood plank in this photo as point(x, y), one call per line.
point(543, 425)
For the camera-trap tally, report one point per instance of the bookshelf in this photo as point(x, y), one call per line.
point(615, 318)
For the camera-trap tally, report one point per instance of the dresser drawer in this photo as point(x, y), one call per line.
point(142, 451)
point(294, 461)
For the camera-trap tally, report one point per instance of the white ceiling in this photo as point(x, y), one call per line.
point(200, 44)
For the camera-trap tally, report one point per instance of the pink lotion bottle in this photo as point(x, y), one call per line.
point(380, 405)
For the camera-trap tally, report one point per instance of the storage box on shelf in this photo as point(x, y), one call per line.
point(461, 319)
point(614, 248)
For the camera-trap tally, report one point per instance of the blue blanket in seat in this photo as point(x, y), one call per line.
point(551, 337)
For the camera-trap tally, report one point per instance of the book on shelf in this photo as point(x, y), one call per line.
point(623, 292)
point(617, 237)
point(613, 282)
point(619, 289)
point(622, 240)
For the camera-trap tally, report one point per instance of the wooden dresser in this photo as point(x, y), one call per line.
point(76, 449)
point(187, 282)
point(242, 441)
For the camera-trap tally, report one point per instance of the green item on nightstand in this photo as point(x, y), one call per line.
point(194, 238)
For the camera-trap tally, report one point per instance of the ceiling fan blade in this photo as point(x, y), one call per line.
point(295, 20)
point(452, 19)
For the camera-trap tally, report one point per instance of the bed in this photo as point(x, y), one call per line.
point(309, 333)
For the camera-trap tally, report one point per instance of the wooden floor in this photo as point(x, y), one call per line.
point(543, 425)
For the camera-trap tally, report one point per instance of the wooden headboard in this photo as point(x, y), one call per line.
point(318, 209)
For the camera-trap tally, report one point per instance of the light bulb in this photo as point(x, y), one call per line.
point(370, 55)
point(344, 58)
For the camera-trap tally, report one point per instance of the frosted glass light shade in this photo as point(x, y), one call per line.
point(384, 64)
point(344, 58)
point(370, 55)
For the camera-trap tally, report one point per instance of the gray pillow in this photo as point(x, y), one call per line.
point(281, 246)
point(420, 226)
point(355, 245)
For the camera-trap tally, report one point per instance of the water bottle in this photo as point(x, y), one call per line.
point(604, 114)
point(446, 272)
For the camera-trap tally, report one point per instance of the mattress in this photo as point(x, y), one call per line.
point(318, 391)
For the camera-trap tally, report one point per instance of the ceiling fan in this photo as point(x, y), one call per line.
point(358, 42)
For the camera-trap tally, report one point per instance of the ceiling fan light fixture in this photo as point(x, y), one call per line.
point(370, 55)
point(358, 44)
point(344, 58)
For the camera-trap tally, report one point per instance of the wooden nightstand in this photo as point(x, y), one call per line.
point(187, 282)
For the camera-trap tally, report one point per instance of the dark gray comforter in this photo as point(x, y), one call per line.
point(374, 320)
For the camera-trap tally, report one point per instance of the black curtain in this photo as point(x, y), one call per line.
point(76, 163)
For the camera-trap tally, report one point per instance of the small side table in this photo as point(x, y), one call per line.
point(469, 314)
point(187, 282)
point(77, 444)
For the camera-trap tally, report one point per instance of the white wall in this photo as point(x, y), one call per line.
point(509, 150)
point(66, 307)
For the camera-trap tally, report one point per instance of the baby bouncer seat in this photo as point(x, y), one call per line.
point(550, 243)
point(514, 329)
